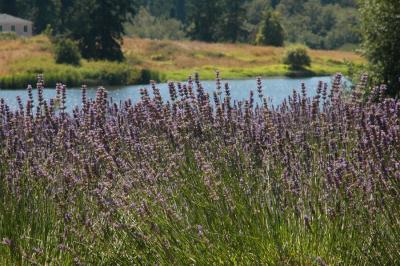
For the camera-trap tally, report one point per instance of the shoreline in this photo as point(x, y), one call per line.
point(22, 59)
point(23, 80)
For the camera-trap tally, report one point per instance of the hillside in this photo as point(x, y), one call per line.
point(21, 59)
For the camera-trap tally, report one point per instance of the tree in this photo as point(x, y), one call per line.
point(233, 15)
point(290, 7)
point(346, 30)
point(271, 31)
point(9, 7)
point(144, 25)
point(180, 10)
point(380, 28)
point(98, 26)
point(274, 3)
point(66, 11)
point(160, 8)
point(44, 12)
point(203, 19)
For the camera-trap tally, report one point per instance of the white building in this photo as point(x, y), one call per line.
point(20, 26)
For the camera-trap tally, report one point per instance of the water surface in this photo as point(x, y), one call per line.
point(277, 89)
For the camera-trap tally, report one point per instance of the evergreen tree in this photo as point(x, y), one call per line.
point(271, 31)
point(24, 8)
point(381, 24)
point(274, 3)
point(44, 12)
point(9, 7)
point(203, 19)
point(66, 11)
point(180, 10)
point(98, 27)
point(230, 27)
point(160, 8)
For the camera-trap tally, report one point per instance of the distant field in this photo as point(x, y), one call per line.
point(178, 58)
point(21, 59)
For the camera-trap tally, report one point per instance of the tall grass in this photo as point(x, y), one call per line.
point(90, 73)
point(201, 179)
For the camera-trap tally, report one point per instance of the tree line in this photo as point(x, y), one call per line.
point(322, 24)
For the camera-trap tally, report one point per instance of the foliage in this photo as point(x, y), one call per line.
point(271, 31)
point(195, 179)
point(297, 57)
point(230, 27)
point(90, 73)
point(147, 75)
point(43, 13)
point(99, 27)
point(8, 7)
point(144, 25)
point(381, 24)
point(162, 8)
point(203, 17)
point(322, 24)
point(8, 36)
point(255, 11)
point(346, 30)
point(319, 26)
point(67, 52)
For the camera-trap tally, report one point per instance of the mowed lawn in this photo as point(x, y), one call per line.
point(175, 60)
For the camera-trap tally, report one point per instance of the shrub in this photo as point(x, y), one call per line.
point(8, 36)
point(67, 52)
point(380, 29)
point(297, 58)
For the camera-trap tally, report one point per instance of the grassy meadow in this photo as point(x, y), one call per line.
point(176, 59)
point(22, 59)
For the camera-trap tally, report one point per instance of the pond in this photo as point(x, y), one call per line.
point(276, 89)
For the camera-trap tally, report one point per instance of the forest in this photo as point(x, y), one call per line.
point(320, 24)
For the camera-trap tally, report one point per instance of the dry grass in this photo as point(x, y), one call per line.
point(177, 59)
point(14, 51)
point(173, 55)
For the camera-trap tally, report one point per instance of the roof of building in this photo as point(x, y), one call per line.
point(5, 18)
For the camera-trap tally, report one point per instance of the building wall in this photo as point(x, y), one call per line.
point(18, 28)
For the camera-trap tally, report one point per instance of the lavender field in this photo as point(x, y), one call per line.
point(201, 179)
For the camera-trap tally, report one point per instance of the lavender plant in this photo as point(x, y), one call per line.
point(201, 179)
